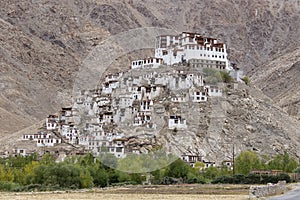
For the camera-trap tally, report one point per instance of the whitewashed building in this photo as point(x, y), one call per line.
point(70, 132)
point(177, 122)
point(43, 139)
point(214, 91)
point(179, 98)
point(142, 118)
point(117, 147)
point(191, 159)
point(52, 122)
point(108, 87)
point(198, 95)
point(186, 47)
point(151, 62)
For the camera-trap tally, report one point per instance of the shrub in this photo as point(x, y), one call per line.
point(8, 186)
point(226, 77)
point(238, 179)
point(252, 179)
point(223, 179)
point(284, 177)
point(246, 80)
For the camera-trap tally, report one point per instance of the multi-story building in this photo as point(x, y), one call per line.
point(192, 48)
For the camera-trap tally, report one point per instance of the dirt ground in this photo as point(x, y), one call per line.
point(94, 196)
point(153, 192)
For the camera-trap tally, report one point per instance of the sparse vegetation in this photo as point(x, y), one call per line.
point(214, 76)
point(246, 80)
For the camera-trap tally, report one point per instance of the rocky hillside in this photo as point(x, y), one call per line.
point(44, 42)
point(279, 79)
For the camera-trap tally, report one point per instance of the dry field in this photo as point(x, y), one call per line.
point(174, 192)
point(94, 196)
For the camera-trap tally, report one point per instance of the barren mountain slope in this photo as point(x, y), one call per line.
point(280, 80)
point(44, 42)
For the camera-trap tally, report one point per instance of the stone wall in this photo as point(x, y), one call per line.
point(267, 190)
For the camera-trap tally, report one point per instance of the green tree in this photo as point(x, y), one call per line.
point(100, 176)
point(199, 166)
point(178, 169)
point(247, 161)
point(109, 160)
point(47, 159)
point(212, 173)
point(297, 170)
point(283, 162)
point(29, 172)
point(158, 175)
point(6, 174)
point(62, 175)
point(87, 160)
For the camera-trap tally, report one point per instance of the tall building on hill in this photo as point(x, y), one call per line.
point(191, 48)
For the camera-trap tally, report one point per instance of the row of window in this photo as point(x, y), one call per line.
point(35, 136)
point(209, 66)
point(203, 48)
point(140, 62)
point(45, 141)
point(206, 61)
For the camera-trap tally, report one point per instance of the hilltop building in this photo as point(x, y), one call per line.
point(192, 48)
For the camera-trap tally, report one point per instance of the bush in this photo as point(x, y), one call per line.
point(268, 179)
point(284, 177)
point(223, 179)
point(246, 80)
point(252, 179)
point(62, 175)
point(226, 77)
point(8, 186)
